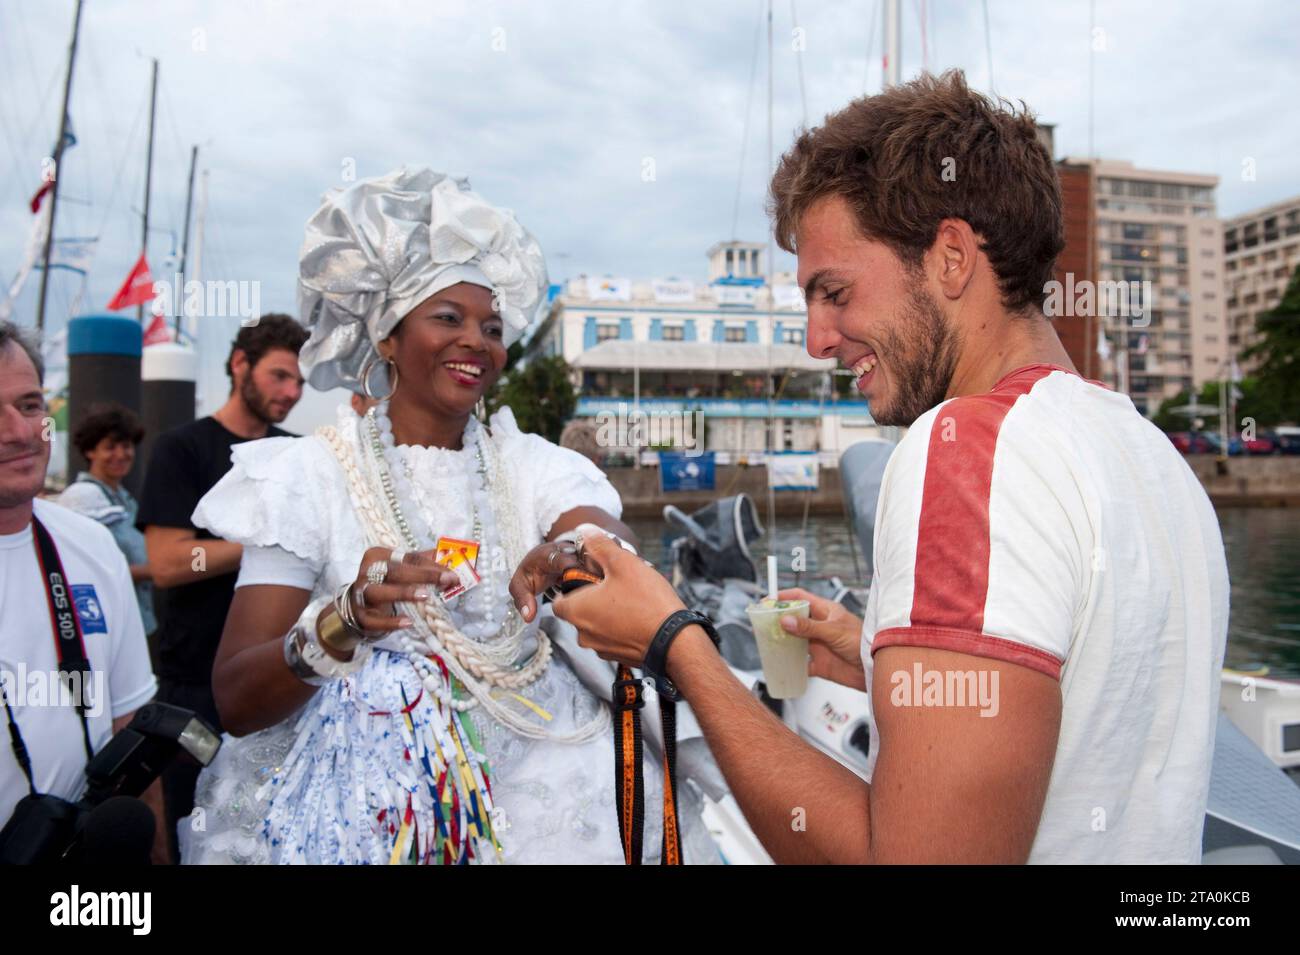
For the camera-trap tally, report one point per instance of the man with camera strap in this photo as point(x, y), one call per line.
point(74, 664)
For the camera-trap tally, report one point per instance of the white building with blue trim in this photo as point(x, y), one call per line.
point(672, 345)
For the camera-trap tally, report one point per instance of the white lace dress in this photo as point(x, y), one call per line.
point(328, 784)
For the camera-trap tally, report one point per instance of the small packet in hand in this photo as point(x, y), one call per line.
point(460, 557)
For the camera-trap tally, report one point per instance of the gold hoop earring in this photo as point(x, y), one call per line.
point(369, 367)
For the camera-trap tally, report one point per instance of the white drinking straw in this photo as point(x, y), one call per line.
point(771, 575)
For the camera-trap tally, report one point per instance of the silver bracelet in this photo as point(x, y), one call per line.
point(308, 660)
point(293, 658)
point(343, 607)
point(575, 537)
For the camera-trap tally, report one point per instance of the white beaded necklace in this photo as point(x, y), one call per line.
point(485, 611)
point(506, 650)
point(435, 633)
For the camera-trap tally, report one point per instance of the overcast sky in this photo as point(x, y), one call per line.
point(557, 109)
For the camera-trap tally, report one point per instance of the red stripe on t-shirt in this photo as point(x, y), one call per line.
point(952, 549)
point(972, 644)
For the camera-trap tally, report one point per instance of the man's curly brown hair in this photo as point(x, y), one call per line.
point(886, 156)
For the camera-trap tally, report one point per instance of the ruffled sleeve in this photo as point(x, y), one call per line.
point(555, 479)
point(276, 494)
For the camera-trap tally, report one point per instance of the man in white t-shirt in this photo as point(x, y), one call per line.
point(99, 582)
point(1047, 619)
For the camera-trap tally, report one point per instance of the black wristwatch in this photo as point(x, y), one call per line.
point(655, 663)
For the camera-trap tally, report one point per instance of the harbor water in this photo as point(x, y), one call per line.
point(1262, 546)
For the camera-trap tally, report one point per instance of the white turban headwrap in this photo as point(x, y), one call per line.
point(378, 248)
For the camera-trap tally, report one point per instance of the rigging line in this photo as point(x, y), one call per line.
point(798, 59)
point(14, 144)
point(62, 293)
point(80, 105)
point(1092, 39)
point(988, 46)
point(121, 165)
point(27, 47)
point(30, 129)
point(170, 107)
point(214, 241)
point(10, 139)
point(919, 7)
point(14, 154)
point(105, 104)
point(744, 137)
point(181, 157)
point(871, 44)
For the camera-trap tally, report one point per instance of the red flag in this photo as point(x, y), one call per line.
point(40, 194)
point(136, 290)
point(157, 333)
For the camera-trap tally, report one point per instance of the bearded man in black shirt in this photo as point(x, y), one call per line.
point(197, 570)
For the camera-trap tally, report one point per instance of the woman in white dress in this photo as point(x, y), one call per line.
point(369, 721)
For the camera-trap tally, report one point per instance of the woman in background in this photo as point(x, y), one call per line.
point(107, 438)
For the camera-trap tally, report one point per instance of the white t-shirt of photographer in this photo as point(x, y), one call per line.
point(121, 679)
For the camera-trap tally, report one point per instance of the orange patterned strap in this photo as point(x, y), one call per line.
point(628, 777)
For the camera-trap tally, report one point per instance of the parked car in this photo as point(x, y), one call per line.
point(1286, 440)
point(1260, 444)
point(1191, 442)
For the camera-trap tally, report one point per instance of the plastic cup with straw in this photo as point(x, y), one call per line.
point(784, 656)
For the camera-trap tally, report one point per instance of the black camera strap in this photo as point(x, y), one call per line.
point(16, 742)
point(69, 645)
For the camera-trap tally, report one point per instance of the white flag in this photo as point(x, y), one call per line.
point(1103, 345)
point(35, 245)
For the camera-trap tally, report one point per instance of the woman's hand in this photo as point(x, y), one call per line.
point(834, 639)
point(540, 569)
point(412, 577)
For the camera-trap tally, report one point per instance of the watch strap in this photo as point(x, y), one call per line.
point(655, 664)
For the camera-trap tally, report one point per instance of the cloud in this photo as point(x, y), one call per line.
point(555, 108)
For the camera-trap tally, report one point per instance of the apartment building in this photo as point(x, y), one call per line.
point(1261, 250)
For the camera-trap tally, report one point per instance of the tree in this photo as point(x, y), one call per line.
point(1166, 420)
point(540, 394)
point(1278, 352)
point(1253, 402)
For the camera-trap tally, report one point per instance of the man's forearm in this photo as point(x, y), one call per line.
point(803, 805)
point(162, 839)
point(193, 560)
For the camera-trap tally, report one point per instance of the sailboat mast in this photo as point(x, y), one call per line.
point(893, 43)
point(771, 299)
point(58, 159)
point(194, 265)
point(148, 174)
point(185, 239)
